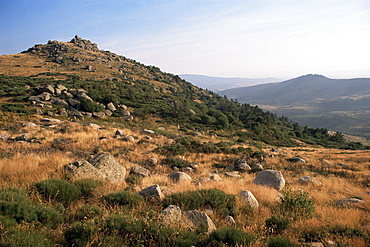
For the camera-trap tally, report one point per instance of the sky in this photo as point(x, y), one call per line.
point(226, 38)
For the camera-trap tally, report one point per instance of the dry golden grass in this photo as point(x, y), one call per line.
point(28, 163)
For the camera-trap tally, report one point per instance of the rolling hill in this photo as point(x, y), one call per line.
point(222, 83)
point(314, 100)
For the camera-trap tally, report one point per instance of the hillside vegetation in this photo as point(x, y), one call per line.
point(314, 100)
point(75, 118)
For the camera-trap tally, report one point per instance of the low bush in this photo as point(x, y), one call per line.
point(90, 106)
point(174, 162)
point(297, 204)
point(80, 234)
point(280, 242)
point(58, 190)
point(87, 186)
point(134, 179)
point(25, 237)
point(224, 204)
point(87, 212)
point(276, 225)
point(228, 236)
point(123, 198)
point(15, 108)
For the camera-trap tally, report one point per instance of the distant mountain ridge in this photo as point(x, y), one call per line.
point(314, 100)
point(222, 83)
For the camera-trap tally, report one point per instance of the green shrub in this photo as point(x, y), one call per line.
point(26, 238)
point(172, 162)
point(80, 234)
point(280, 242)
point(297, 204)
point(276, 225)
point(16, 204)
point(230, 237)
point(218, 200)
point(87, 186)
point(87, 212)
point(58, 190)
point(123, 198)
point(134, 179)
point(90, 106)
point(15, 108)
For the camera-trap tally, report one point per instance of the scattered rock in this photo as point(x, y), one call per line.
point(29, 125)
point(232, 174)
point(257, 166)
point(147, 132)
point(140, 171)
point(111, 107)
point(313, 244)
point(109, 166)
point(350, 202)
point(119, 133)
point(50, 120)
point(129, 138)
point(197, 219)
point(270, 178)
point(249, 199)
point(215, 177)
point(178, 177)
point(94, 126)
point(298, 159)
point(25, 137)
point(153, 192)
point(100, 115)
point(230, 221)
point(151, 161)
point(83, 169)
point(306, 180)
point(172, 215)
point(3, 137)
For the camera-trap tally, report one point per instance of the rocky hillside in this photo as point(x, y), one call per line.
point(314, 100)
point(77, 79)
point(99, 150)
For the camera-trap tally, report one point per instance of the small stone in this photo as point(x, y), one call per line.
point(232, 174)
point(129, 138)
point(177, 177)
point(152, 192)
point(230, 221)
point(249, 199)
point(140, 171)
point(199, 218)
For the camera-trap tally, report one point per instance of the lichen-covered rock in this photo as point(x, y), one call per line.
point(351, 202)
point(196, 218)
point(307, 180)
point(109, 166)
point(172, 215)
point(178, 177)
point(249, 199)
point(81, 169)
point(140, 171)
point(270, 178)
point(152, 192)
point(111, 107)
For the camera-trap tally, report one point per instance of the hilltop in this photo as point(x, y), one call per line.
point(97, 149)
point(314, 100)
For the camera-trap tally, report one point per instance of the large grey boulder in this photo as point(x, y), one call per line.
point(98, 114)
point(81, 169)
point(73, 102)
point(196, 218)
point(249, 199)
point(153, 192)
point(178, 177)
point(57, 101)
point(140, 171)
point(109, 166)
point(172, 215)
point(270, 178)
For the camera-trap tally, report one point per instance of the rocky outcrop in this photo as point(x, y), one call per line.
point(197, 219)
point(249, 199)
point(103, 166)
point(307, 180)
point(153, 192)
point(172, 215)
point(270, 178)
point(178, 177)
point(140, 171)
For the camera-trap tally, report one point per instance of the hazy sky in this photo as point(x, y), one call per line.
point(229, 38)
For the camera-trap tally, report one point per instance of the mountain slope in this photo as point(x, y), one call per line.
point(149, 93)
point(314, 100)
point(222, 83)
